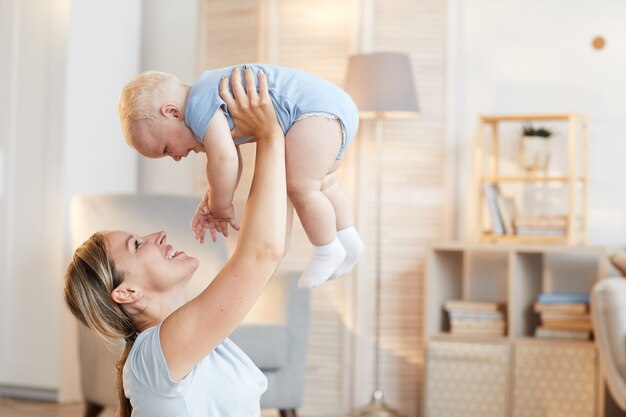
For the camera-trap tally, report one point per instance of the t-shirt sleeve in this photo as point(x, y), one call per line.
point(148, 365)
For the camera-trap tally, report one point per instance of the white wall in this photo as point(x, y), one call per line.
point(535, 56)
point(30, 314)
point(103, 52)
point(60, 136)
point(67, 62)
point(169, 43)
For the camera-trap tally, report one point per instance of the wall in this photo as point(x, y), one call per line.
point(29, 354)
point(100, 59)
point(169, 43)
point(60, 135)
point(536, 56)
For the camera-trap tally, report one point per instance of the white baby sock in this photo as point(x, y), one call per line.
point(351, 241)
point(325, 261)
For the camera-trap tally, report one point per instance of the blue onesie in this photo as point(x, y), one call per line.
point(294, 94)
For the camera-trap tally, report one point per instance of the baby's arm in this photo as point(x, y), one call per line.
point(223, 168)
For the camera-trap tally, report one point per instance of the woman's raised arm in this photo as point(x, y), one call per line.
point(196, 328)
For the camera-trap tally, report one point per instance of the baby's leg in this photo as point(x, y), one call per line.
point(311, 146)
point(347, 234)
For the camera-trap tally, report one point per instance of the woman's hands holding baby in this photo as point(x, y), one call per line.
point(251, 109)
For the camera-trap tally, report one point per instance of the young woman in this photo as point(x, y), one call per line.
point(178, 359)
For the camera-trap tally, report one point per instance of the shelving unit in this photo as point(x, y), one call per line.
point(516, 374)
point(496, 163)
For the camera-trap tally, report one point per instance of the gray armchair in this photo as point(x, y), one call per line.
point(274, 334)
point(608, 313)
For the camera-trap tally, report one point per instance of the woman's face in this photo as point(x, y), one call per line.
point(149, 260)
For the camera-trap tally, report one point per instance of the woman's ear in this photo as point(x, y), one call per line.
point(171, 110)
point(126, 295)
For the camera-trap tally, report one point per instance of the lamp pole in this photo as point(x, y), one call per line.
point(377, 406)
point(379, 222)
point(381, 84)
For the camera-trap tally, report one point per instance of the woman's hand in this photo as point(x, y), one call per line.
point(253, 113)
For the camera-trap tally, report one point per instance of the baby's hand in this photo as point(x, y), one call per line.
point(225, 218)
point(203, 221)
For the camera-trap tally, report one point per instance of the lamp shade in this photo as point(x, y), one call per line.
point(381, 85)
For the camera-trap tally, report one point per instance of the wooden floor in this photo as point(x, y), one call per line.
point(20, 408)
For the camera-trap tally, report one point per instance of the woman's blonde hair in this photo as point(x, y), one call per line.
point(90, 279)
point(142, 97)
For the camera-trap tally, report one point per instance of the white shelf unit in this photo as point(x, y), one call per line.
point(515, 274)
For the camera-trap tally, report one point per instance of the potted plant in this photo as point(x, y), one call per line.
point(535, 150)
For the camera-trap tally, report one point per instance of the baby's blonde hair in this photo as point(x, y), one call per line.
point(142, 97)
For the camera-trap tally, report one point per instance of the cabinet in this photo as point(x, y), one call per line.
point(515, 374)
point(541, 206)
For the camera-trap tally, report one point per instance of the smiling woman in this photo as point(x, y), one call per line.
point(149, 263)
point(178, 359)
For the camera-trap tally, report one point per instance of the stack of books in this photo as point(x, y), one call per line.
point(564, 316)
point(541, 225)
point(476, 318)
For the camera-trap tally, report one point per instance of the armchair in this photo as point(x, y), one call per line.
point(608, 313)
point(274, 334)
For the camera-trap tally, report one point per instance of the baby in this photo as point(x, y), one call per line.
point(161, 116)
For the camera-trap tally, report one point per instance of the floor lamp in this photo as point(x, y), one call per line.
point(382, 87)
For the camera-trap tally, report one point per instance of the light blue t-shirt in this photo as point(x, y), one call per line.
point(293, 93)
point(225, 383)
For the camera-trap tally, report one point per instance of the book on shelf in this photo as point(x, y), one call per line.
point(474, 323)
point(560, 298)
point(463, 305)
point(527, 225)
point(478, 332)
point(566, 325)
point(558, 316)
point(491, 198)
point(547, 222)
point(544, 333)
point(562, 308)
point(507, 211)
point(562, 313)
point(476, 315)
point(527, 231)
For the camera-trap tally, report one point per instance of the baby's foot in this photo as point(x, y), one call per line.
point(353, 245)
point(325, 261)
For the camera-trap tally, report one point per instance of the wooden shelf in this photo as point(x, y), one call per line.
point(527, 117)
point(510, 184)
point(513, 365)
point(556, 342)
point(450, 337)
point(524, 238)
point(468, 338)
point(530, 178)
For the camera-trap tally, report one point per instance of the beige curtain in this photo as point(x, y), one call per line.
point(318, 37)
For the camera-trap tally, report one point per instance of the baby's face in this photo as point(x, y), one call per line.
point(156, 139)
